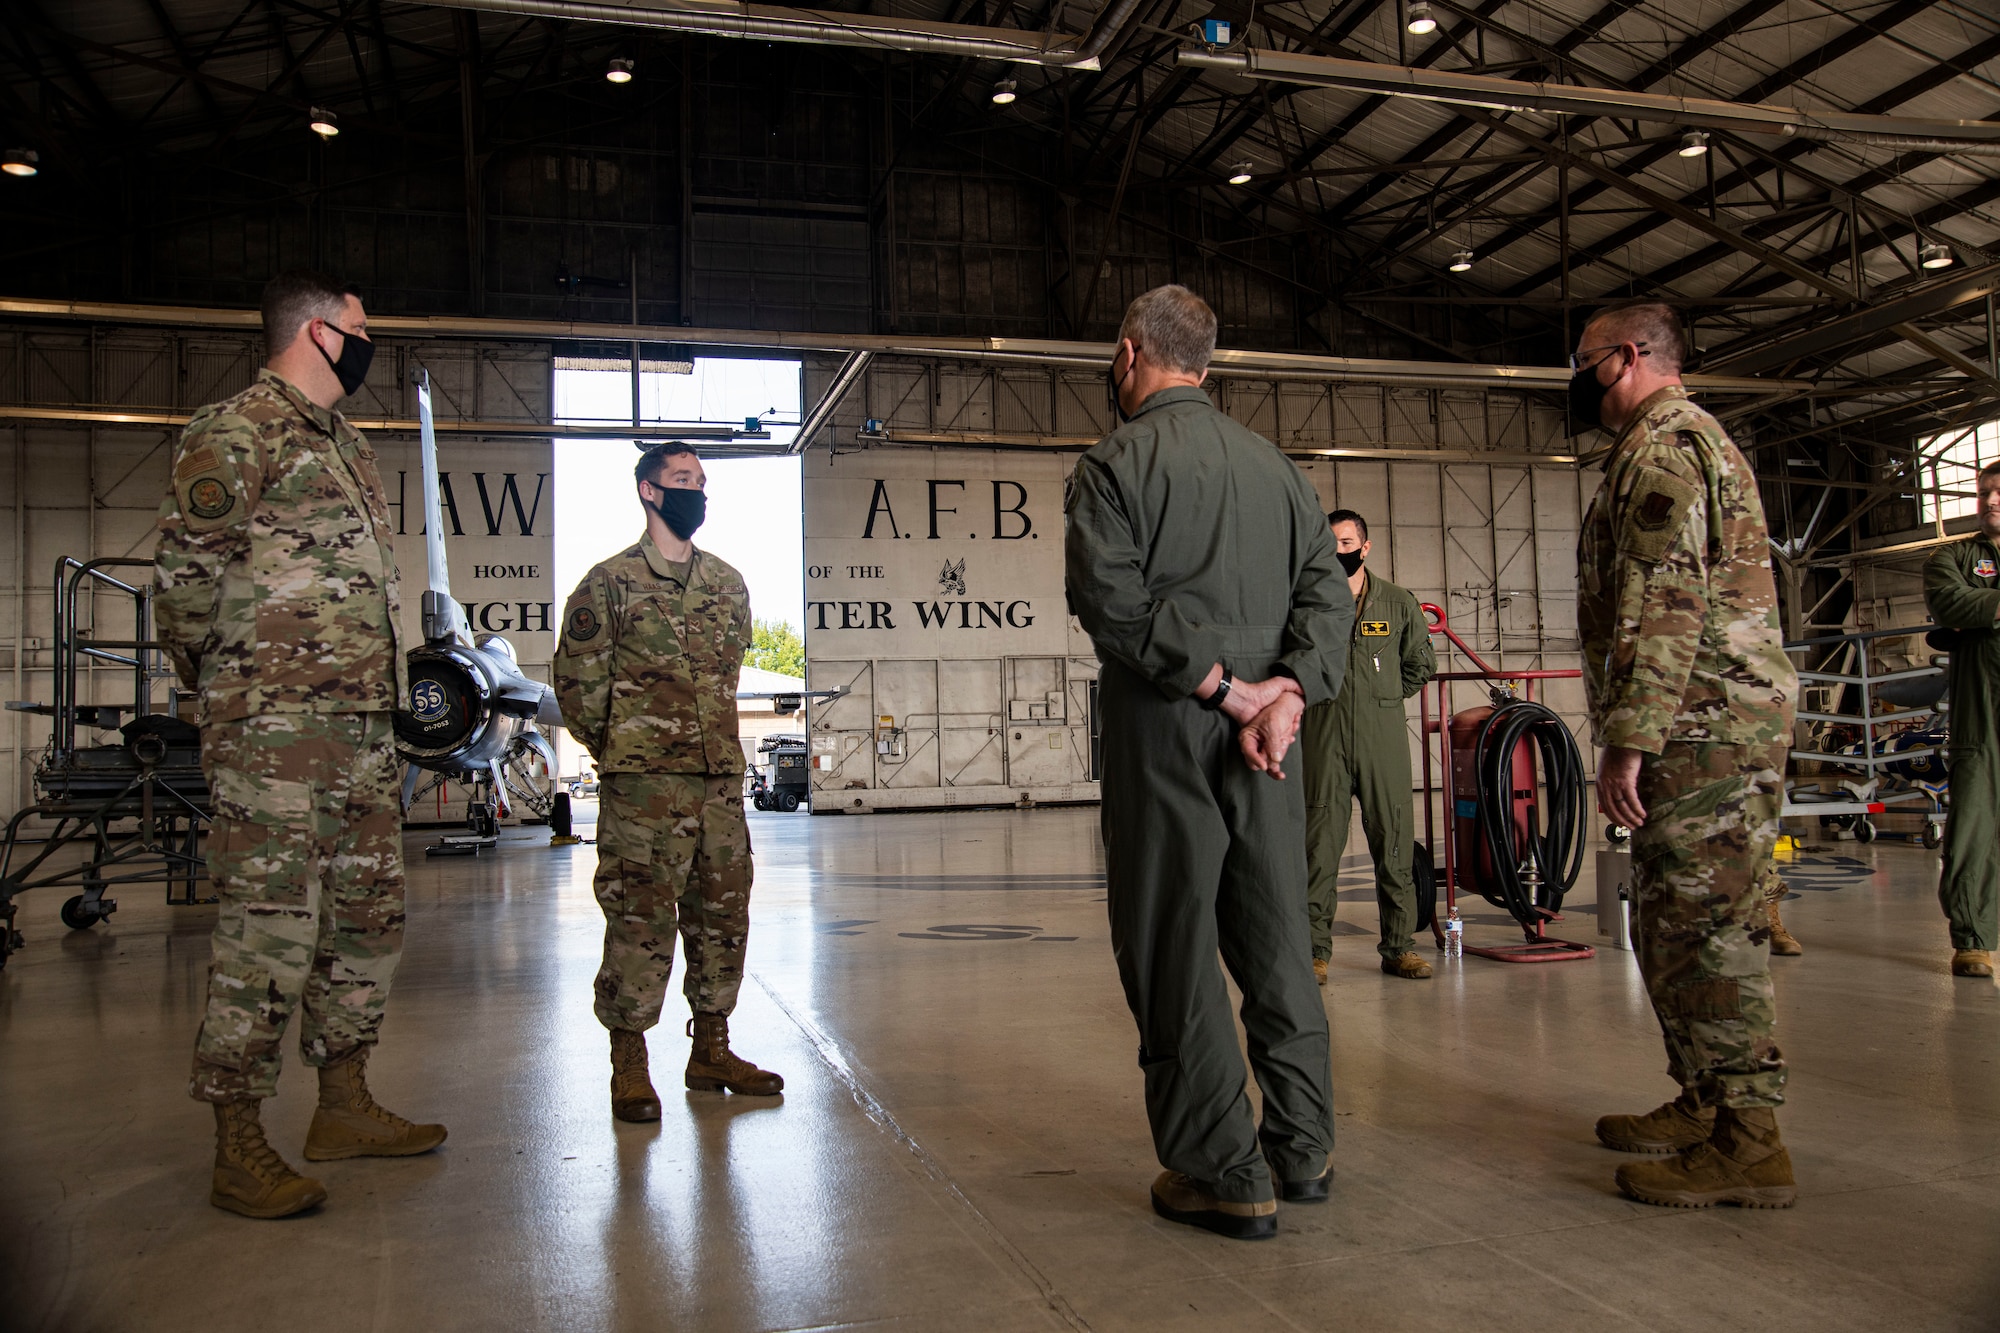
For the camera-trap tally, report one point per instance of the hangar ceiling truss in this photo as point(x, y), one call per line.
point(1792, 256)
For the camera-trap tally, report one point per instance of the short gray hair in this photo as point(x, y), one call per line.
point(1653, 324)
point(1174, 326)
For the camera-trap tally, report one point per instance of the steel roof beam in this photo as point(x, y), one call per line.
point(1900, 95)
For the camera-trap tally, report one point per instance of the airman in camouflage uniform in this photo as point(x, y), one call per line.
point(652, 643)
point(277, 603)
point(1688, 682)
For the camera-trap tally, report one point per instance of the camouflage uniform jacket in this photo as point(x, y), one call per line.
point(1679, 612)
point(1962, 590)
point(276, 578)
point(647, 667)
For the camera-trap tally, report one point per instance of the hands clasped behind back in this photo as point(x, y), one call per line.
point(1268, 712)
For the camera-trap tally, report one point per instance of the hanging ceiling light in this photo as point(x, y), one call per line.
point(619, 71)
point(1693, 144)
point(324, 123)
point(1934, 254)
point(20, 162)
point(1240, 173)
point(1003, 92)
point(1421, 23)
point(1461, 262)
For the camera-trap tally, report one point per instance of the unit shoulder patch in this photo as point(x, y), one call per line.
point(1656, 513)
point(208, 502)
point(1984, 568)
point(1375, 628)
point(583, 624)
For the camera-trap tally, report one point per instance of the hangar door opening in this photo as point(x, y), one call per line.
point(753, 503)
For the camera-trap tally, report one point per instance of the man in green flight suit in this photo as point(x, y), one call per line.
point(1962, 590)
point(1357, 745)
point(652, 642)
point(1199, 563)
point(1692, 697)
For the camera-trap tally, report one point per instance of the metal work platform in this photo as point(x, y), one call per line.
point(1882, 727)
point(106, 813)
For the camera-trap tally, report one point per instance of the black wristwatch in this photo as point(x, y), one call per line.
point(1214, 701)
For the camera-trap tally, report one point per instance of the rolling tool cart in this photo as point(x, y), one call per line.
point(1515, 804)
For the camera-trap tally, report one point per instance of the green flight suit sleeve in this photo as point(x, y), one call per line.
point(1419, 654)
point(1660, 570)
point(1955, 601)
point(1107, 590)
point(584, 662)
point(1321, 621)
point(217, 480)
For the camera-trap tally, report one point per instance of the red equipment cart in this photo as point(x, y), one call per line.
point(1464, 855)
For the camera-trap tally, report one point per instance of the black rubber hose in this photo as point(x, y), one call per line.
point(1555, 848)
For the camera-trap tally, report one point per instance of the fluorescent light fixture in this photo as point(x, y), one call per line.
point(1240, 173)
point(20, 162)
point(1934, 254)
point(619, 71)
point(1421, 23)
point(1003, 92)
point(324, 123)
point(1693, 144)
point(1461, 262)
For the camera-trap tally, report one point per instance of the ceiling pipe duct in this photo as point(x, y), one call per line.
point(819, 27)
point(1243, 363)
point(1978, 137)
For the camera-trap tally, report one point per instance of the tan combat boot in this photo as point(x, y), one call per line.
point(712, 1066)
point(1783, 945)
point(1745, 1163)
point(1407, 966)
point(1681, 1123)
point(632, 1095)
point(250, 1177)
point(348, 1123)
point(1180, 1198)
point(1319, 970)
point(1972, 963)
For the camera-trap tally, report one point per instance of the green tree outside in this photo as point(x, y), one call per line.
point(776, 646)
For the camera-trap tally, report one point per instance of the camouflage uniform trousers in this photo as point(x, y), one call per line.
point(672, 851)
point(306, 854)
point(1699, 869)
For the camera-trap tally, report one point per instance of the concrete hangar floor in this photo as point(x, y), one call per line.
point(961, 1144)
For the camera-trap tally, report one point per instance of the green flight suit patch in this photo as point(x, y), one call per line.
point(1658, 510)
point(1375, 628)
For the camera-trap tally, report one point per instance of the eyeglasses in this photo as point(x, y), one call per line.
point(1577, 361)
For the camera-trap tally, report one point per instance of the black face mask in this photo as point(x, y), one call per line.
point(682, 510)
point(1586, 401)
point(1111, 383)
point(1349, 561)
point(351, 366)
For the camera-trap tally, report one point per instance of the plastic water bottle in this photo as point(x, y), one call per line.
point(1454, 935)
